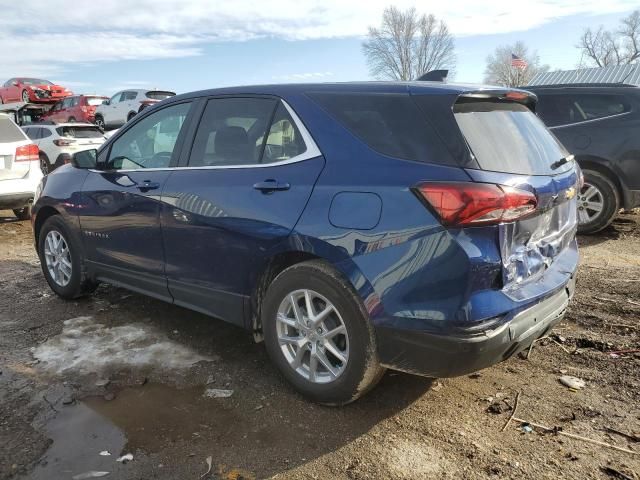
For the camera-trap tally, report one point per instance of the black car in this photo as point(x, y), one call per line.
point(600, 125)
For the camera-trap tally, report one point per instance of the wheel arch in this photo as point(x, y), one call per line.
point(43, 214)
point(601, 165)
point(283, 260)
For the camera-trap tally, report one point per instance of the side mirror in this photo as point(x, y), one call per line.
point(105, 102)
point(85, 159)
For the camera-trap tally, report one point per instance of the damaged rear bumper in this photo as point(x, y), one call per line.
point(458, 354)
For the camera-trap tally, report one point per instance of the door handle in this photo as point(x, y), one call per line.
point(271, 185)
point(147, 185)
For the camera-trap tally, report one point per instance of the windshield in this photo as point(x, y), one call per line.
point(35, 81)
point(95, 101)
point(508, 137)
point(79, 132)
point(158, 95)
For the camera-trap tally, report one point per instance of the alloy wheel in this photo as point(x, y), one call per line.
point(58, 258)
point(312, 336)
point(25, 96)
point(590, 203)
point(44, 166)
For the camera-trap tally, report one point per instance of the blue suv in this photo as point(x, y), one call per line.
point(353, 227)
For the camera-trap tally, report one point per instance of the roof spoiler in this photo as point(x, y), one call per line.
point(434, 76)
point(528, 99)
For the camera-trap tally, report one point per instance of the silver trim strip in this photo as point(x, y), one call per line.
point(590, 121)
point(312, 151)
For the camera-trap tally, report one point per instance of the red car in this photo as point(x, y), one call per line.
point(77, 108)
point(32, 90)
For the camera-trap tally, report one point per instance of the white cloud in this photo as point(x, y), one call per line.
point(89, 32)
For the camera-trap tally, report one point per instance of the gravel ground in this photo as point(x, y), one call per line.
point(121, 373)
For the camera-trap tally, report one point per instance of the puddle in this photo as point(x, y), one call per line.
point(86, 346)
point(155, 415)
point(79, 434)
point(140, 421)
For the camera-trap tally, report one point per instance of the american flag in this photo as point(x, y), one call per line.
point(518, 62)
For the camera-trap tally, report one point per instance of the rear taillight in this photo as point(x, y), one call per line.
point(477, 203)
point(27, 153)
point(60, 142)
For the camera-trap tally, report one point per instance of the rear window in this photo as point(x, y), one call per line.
point(391, 124)
point(79, 132)
point(10, 132)
point(95, 101)
point(158, 95)
point(508, 137)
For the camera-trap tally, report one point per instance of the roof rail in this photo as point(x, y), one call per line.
point(601, 84)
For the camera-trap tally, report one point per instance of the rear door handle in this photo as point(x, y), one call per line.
point(271, 185)
point(147, 185)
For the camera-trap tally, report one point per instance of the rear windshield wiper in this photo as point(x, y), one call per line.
point(562, 161)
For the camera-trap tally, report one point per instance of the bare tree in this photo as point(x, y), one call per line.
point(620, 47)
point(408, 45)
point(500, 71)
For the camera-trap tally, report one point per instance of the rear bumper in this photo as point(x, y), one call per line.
point(458, 354)
point(15, 200)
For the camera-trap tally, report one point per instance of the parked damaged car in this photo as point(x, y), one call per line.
point(427, 228)
point(599, 124)
point(32, 90)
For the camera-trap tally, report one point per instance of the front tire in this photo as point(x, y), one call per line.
point(598, 202)
point(99, 121)
point(71, 120)
point(62, 260)
point(25, 96)
point(318, 334)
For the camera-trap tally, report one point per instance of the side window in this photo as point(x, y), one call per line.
point(75, 101)
point(232, 132)
point(56, 107)
point(45, 132)
point(558, 110)
point(116, 98)
point(32, 133)
point(150, 142)
point(126, 96)
point(67, 102)
point(284, 140)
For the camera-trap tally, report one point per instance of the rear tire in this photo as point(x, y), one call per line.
point(45, 166)
point(343, 381)
point(62, 262)
point(130, 116)
point(71, 120)
point(23, 213)
point(598, 203)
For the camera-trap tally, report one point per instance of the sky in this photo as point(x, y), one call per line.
point(186, 45)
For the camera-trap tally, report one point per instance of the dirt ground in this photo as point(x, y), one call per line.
point(120, 373)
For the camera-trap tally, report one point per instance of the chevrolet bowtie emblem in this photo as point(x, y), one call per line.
point(570, 193)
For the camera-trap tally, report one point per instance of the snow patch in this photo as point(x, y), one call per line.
point(86, 347)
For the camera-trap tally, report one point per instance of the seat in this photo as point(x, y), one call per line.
point(231, 146)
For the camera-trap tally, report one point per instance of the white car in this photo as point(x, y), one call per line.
point(19, 169)
point(124, 105)
point(58, 142)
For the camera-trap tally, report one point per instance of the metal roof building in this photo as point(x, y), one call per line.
point(628, 74)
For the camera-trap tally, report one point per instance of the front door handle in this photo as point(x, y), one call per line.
point(271, 185)
point(147, 185)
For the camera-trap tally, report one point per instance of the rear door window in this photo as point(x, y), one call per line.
point(232, 131)
point(566, 109)
point(508, 137)
point(390, 124)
